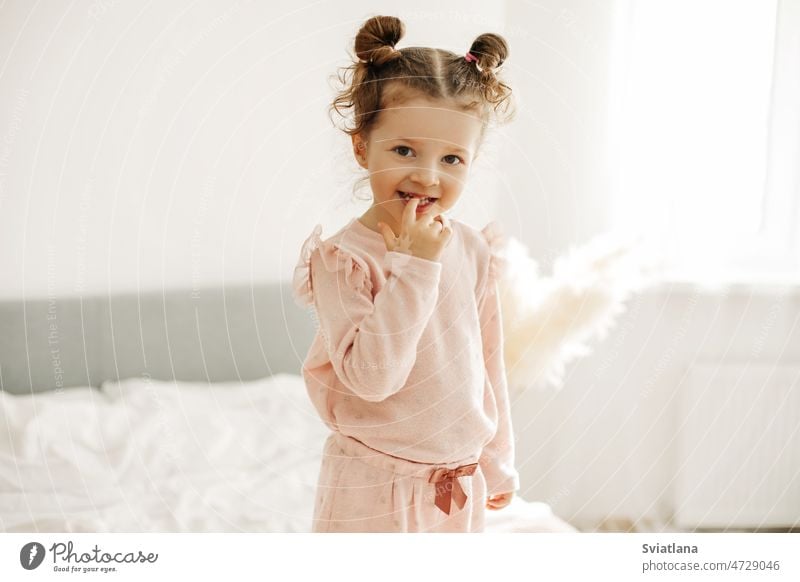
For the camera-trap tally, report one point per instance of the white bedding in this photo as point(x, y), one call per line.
point(141, 455)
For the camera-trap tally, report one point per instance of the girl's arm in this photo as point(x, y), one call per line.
point(373, 345)
point(497, 459)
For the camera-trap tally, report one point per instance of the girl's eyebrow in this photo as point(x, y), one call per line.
point(450, 146)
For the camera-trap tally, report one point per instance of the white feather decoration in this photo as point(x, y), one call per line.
point(548, 321)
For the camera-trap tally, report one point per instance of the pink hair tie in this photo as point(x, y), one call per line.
point(471, 58)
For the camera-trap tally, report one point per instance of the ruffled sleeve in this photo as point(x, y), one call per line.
point(497, 458)
point(301, 282)
point(334, 257)
point(496, 239)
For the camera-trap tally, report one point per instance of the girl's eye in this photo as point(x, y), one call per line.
point(402, 150)
point(455, 160)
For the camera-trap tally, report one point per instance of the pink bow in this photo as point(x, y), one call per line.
point(448, 488)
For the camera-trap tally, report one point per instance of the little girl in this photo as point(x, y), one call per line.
point(407, 365)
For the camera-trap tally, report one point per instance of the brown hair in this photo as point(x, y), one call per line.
point(382, 75)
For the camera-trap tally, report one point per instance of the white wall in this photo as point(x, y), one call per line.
point(188, 143)
point(604, 451)
point(185, 143)
point(554, 164)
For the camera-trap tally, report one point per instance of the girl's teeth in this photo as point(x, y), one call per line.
point(423, 200)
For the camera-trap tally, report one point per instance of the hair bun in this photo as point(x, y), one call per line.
point(491, 50)
point(376, 39)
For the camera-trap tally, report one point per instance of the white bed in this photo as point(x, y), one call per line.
point(226, 440)
point(142, 455)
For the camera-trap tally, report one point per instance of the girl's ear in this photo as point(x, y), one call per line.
point(360, 150)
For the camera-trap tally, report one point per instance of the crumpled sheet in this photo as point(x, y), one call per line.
point(142, 455)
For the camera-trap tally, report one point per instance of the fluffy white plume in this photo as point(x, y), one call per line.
point(548, 321)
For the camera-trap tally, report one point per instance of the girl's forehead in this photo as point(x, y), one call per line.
point(422, 119)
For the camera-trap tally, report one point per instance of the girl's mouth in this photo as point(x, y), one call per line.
point(424, 203)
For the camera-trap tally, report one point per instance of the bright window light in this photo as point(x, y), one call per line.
point(690, 125)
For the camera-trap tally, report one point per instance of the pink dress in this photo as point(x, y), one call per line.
point(407, 371)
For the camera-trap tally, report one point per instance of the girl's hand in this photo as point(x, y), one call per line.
point(425, 237)
point(499, 501)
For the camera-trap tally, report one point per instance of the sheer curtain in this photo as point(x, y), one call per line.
point(705, 132)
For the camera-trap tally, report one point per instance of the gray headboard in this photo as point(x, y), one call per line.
point(213, 334)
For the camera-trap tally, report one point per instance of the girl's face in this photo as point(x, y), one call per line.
point(420, 147)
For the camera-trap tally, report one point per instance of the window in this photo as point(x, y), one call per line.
point(705, 128)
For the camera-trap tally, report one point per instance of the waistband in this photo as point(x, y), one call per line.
point(354, 448)
point(444, 476)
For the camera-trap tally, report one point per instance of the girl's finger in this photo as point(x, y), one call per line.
point(446, 226)
point(388, 235)
point(408, 214)
point(447, 233)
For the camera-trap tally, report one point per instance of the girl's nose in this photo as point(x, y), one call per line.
point(425, 176)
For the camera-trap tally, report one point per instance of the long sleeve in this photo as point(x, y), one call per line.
point(497, 459)
point(372, 342)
